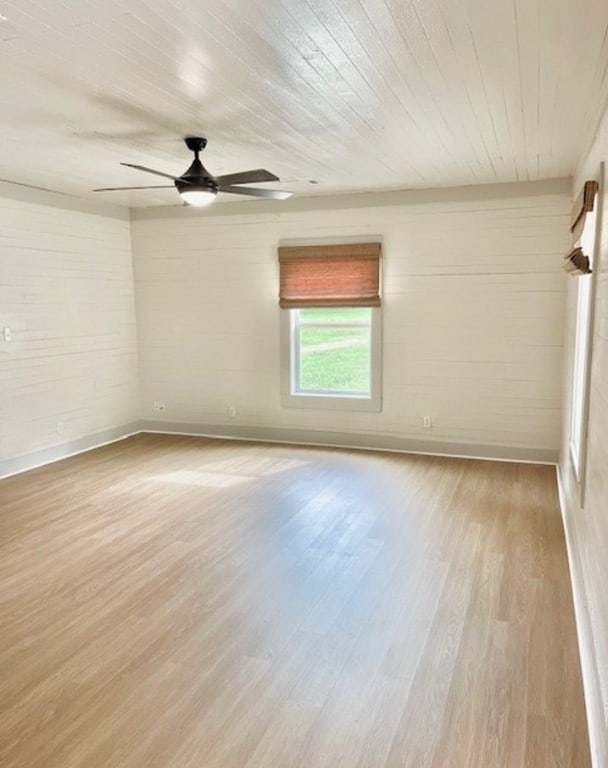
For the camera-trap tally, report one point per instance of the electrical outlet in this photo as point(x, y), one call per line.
point(427, 422)
point(60, 427)
point(160, 406)
point(8, 334)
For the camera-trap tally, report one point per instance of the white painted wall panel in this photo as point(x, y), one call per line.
point(472, 313)
point(66, 291)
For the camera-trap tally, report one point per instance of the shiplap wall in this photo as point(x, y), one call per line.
point(587, 528)
point(473, 298)
point(66, 291)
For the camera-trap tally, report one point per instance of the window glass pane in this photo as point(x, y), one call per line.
point(331, 358)
point(335, 315)
point(334, 359)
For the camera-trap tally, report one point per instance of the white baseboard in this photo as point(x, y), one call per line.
point(311, 437)
point(354, 440)
point(598, 739)
point(44, 456)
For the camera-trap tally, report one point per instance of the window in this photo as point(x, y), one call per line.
point(580, 263)
point(331, 326)
point(582, 340)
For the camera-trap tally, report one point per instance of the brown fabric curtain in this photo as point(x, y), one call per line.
point(345, 275)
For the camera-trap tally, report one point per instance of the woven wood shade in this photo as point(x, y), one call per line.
point(575, 262)
point(582, 205)
point(345, 275)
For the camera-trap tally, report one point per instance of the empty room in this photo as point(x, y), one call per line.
point(303, 403)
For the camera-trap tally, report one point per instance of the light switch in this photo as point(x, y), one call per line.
point(7, 333)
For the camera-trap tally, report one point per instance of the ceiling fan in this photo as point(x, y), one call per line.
point(198, 187)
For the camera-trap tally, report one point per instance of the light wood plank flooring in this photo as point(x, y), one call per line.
point(177, 602)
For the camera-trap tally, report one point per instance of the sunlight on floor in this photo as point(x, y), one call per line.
point(206, 479)
point(218, 479)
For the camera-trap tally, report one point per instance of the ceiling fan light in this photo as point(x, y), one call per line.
point(197, 197)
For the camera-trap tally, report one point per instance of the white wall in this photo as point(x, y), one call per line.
point(587, 529)
point(473, 297)
point(472, 317)
point(66, 291)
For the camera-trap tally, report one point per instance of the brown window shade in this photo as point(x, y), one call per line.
point(576, 263)
point(345, 275)
point(583, 204)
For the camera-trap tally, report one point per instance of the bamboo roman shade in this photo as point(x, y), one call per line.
point(346, 275)
point(576, 262)
point(582, 206)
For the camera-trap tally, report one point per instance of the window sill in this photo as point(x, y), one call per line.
point(332, 402)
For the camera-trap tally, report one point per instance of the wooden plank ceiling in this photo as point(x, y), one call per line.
point(354, 95)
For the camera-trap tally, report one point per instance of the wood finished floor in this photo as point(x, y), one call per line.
point(187, 603)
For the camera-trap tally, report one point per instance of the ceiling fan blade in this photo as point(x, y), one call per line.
point(273, 194)
point(246, 177)
point(120, 189)
point(151, 170)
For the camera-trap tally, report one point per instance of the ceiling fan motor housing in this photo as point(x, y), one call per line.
point(197, 176)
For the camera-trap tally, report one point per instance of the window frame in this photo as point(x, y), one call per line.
point(291, 398)
point(582, 352)
point(580, 372)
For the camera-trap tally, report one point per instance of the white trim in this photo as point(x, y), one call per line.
point(299, 202)
point(355, 441)
point(574, 459)
point(41, 458)
point(282, 436)
point(25, 193)
point(313, 438)
point(586, 649)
